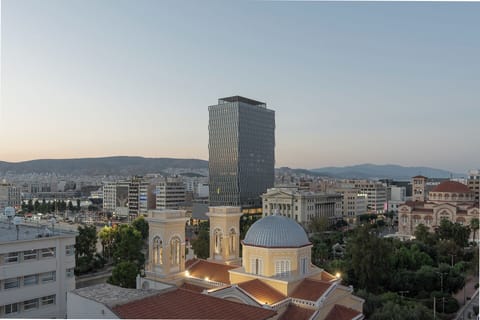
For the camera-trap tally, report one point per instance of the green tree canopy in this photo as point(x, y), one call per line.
point(201, 245)
point(141, 225)
point(86, 242)
point(128, 244)
point(124, 274)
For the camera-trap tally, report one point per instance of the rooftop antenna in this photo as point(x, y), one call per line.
point(16, 222)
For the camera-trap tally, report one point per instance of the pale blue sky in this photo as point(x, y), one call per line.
point(350, 82)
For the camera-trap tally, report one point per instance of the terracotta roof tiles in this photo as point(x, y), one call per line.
point(212, 270)
point(297, 313)
point(184, 304)
point(340, 312)
point(192, 287)
point(310, 289)
point(451, 186)
point(261, 291)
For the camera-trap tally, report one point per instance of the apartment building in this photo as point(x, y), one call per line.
point(353, 204)
point(170, 193)
point(473, 182)
point(10, 196)
point(36, 271)
point(376, 193)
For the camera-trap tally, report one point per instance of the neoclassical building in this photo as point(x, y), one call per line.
point(274, 273)
point(449, 200)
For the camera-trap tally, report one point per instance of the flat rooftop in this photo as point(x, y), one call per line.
point(111, 296)
point(242, 99)
point(8, 232)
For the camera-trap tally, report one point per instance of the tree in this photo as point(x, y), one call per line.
point(78, 205)
point(70, 205)
point(141, 225)
point(107, 237)
point(201, 245)
point(474, 225)
point(124, 274)
point(318, 224)
point(128, 245)
point(368, 257)
point(423, 234)
point(453, 231)
point(86, 242)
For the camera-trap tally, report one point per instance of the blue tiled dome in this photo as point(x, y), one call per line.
point(276, 232)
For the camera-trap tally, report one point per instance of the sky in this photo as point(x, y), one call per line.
point(350, 82)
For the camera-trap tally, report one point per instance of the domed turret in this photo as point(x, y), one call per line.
point(276, 232)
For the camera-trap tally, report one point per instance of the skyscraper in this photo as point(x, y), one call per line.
point(241, 151)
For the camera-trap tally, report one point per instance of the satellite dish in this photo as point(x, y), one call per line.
point(9, 212)
point(17, 220)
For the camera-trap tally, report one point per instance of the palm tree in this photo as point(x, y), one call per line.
point(474, 226)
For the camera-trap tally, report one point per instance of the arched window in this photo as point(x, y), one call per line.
point(175, 251)
point(157, 251)
point(217, 234)
point(232, 237)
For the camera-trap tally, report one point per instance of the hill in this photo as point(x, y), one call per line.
point(387, 171)
point(101, 166)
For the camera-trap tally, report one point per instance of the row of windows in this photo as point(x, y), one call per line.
point(28, 255)
point(35, 254)
point(27, 305)
point(28, 280)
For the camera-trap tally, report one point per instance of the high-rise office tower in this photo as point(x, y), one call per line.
point(241, 151)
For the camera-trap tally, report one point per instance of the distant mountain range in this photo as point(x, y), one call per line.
point(386, 171)
point(101, 166)
point(139, 165)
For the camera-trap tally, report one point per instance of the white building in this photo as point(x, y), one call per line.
point(36, 271)
point(9, 196)
point(376, 193)
point(397, 196)
point(354, 204)
point(115, 197)
point(170, 193)
point(302, 206)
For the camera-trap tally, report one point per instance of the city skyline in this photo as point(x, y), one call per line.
point(350, 83)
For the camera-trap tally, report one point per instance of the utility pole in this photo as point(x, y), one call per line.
point(441, 285)
point(434, 308)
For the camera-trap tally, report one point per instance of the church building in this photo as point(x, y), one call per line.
point(274, 273)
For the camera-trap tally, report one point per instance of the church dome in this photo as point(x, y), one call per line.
point(451, 186)
point(276, 232)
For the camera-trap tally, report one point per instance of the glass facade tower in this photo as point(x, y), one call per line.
point(241, 152)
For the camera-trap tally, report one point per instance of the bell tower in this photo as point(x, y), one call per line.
point(166, 243)
point(225, 234)
point(418, 188)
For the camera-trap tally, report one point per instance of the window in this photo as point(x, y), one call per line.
point(304, 265)
point(282, 267)
point(29, 255)
point(30, 280)
point(48, 300)
point(11, 308)
point(256, 266)
point(69, 272)
point(11, 257)
point(69, 250)
point(30, 304)
point(48, 252)
point(11, 283)
point(48, 276)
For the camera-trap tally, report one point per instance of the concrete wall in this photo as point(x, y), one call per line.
point(81, 308)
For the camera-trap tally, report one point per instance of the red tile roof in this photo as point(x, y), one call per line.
point(340, 312)
point(297, 313)
point(212, 270)
point(190, 262)
point(310, 289)
point(451, 186)
point(192, 287)
point(261, 291)
point(328, 276)
point(184, 304)
point(420, 176)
